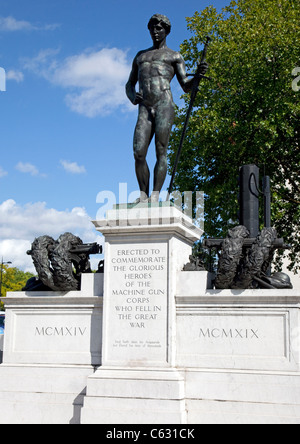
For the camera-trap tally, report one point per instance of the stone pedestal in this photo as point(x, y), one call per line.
point(145, 248)
point(52, 343)
point(150, 343)
point(134, 396)
point(239, 352)
point(247, 330)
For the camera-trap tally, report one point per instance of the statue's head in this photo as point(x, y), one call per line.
point(161, 19)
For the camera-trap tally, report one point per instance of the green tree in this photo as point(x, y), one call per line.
point(248, 113)
point(13, 279)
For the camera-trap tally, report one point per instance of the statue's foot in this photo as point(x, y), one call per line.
point(142, 199)
point(154, 197)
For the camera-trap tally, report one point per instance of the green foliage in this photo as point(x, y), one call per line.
point(248, 113)
point(13, 279)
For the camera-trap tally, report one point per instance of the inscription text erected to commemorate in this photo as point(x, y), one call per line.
point(138, 302)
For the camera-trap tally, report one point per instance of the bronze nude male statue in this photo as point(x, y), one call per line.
point(153, 69)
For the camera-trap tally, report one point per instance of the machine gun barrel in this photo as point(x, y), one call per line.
point(93, 248)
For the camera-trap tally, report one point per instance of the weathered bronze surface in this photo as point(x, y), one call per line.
point(245, 262)
point(60, 263)
point(153, 69)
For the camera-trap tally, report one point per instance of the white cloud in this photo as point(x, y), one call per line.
point(10, 24)
point(18, 76)
point(96, 79)
point(28, 168)
point(44, 64)
point(20, 225)
point(14, 250)
point(72, 167)
point(3, 173)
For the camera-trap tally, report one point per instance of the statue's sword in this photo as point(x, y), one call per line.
point(197, 78)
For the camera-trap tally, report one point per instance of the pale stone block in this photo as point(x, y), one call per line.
point(243, 386)
point(132, 411)
point(144, 250)
point(150, 218)
point(216, 412)
point(193, 282)
point(34, 394)
point(92, 284)
point(54, 327)
point(143, 396)
point(240, 332)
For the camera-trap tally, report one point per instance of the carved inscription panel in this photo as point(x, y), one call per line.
point(233, 339)
point(59, 335)
point(137, 313)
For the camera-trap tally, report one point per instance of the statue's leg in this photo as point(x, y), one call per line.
point(163, 125)
point(142, 139)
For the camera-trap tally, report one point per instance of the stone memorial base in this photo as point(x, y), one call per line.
point(151, 344)
point(239, 354)
point(135, 396)
point(52, 343)
point(146, 246)
point(42, 394)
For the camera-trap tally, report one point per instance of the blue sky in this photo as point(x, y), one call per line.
point(66, 125)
